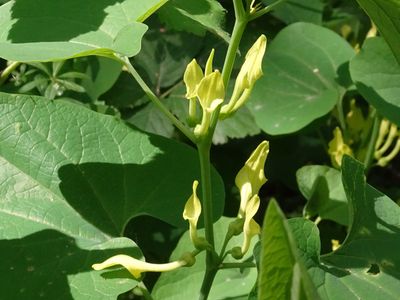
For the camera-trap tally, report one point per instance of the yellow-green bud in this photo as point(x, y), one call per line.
point(251, 177)
point(192, 77)
point(250, 72)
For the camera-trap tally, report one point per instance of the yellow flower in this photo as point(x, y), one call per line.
point(250, 72)
point(137, 267)
point(192, 77)
point(211, 93)
point(251, 177)
point(337, 148)
point(250, 227)
point(192, 212)
point(388, 134)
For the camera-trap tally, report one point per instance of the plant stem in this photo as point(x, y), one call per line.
point(204, 146)
point(205, 170)
point(238, 29)
point(237, 265)
point(186, 131)
point(145, 292)
point(7, 71)
point(372, 141)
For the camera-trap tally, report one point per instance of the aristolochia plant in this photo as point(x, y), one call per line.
point(207, 89)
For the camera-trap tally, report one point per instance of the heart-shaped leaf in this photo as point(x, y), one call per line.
point(376, 74)
point(46, 30)
point(70, 180)
point(366, 265)
point(302, 67)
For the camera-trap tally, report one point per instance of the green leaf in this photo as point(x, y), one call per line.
point(102, 74)
point(282, 273)
point(46, 30)
point(185, 283)
point(240, 125)
point(376, 74)
point(298, 11)
point(322, 187)
point(366, 265)
point(152, 120)
point(195, 16)
point(164, 56)
point(126, 92)
point(301, 69)
point(71, 179)
point(385, 15)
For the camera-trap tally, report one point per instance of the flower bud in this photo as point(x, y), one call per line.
point(192, 77)
point(251, 177)
point(250, 72)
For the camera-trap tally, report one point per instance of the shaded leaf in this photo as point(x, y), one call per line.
point(323, 189)
point(102, 74)
point(376, 74)
point(385, 14)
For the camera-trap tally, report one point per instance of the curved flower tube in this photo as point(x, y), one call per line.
point(251, 177)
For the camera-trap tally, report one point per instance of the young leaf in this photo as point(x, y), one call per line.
point(46, 30)
point(299, 85)
point(376, 74)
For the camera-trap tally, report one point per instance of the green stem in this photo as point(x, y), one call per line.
point(186, 131)
point(237, 33)
point(7, 71)
point(203, 146)
point(145, 292)
point(205, 169)
point(237, 265)
point(372, 141)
